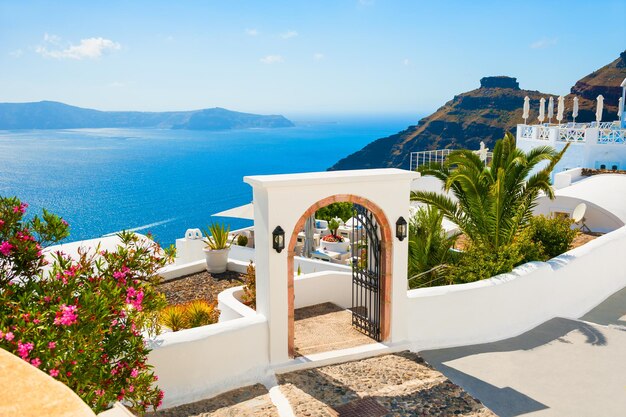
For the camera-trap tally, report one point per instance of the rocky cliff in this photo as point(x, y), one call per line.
point(485, 114)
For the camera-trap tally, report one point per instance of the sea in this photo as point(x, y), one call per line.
point(165, 181)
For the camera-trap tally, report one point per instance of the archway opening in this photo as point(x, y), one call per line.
point(366, 259)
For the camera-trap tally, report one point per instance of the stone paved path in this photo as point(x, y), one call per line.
point(391, 385)
point(249, 401)
point(325, 327)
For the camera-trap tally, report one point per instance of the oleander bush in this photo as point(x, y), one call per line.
point(82, 320)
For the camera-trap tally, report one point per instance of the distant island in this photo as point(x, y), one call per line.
point(484, 114)
point(55, 115)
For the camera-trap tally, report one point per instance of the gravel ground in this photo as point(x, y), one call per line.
point(200, 286)
point(392, 385)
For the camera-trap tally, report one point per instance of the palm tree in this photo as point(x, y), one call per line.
point(492, 203)
point(429, 248)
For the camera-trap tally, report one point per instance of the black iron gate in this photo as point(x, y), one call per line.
point(366, 260)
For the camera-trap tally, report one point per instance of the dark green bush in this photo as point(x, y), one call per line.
point(554, 234)
point(342, 210)
point(479, 263)
point(242, 240)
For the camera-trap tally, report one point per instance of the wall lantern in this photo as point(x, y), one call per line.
point(278, 239)
point(401, 229)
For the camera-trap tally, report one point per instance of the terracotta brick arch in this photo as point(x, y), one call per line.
point(386, 247)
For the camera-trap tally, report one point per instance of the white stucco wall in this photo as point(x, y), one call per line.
point(283, 199)
point(323, 287)
point(197, 363)
point(510, 304)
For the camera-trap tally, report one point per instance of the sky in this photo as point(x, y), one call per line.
point(296, 57)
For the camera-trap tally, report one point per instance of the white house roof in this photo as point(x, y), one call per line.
point(605, 190)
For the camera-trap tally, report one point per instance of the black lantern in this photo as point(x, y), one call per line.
point(278, 239)
point(401, 229)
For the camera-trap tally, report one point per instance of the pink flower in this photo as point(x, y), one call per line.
point(9, 336)
point(52, 345)
point(5, 248)
point(134, 373)
point(66, 316)
point(63, 222)
point(134, 297)
point(99, 392)
point(36, 362)
point(1, 223)
point(23, 349)
point(114, 371)
point(20, 209)
point(131, 388)
point(54, 372)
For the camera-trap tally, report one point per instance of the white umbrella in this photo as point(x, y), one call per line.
point(620, 108)
point(526, 109)
point(542, 110)
point(550, 109)
point(575, 109)
point(599, 108)
point(308, 236)
point(242, 212)
point(560, 109)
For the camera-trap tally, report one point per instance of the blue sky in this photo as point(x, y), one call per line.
point(291, 57)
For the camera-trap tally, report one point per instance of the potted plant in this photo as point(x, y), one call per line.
point(333, 242)
point(218, 247)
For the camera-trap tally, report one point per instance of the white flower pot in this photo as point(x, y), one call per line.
point(340, 247)
point(216, 260)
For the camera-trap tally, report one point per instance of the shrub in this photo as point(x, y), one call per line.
point(81, 320)
point(173, 317)
point(200, 313)
point(429, 248)
point(249, 289)
point(554, 234)
point(186, 316)
point(242, 240)
point(478, 262)
point(341, 210)
point(216, 236)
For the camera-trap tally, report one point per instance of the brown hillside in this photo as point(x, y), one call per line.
point(485, 114)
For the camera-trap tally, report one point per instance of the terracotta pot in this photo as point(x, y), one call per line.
point(216, 260)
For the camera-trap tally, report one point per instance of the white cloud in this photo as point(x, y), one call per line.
point(406, 61)
point(17, 53)
point(90, 48)
point(252, 32)
point(318, 56)
point(272, 59)
point(543, 43)
point(289, 34)
point(116, 84)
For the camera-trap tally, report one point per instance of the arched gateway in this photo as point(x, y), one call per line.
point(286, 201)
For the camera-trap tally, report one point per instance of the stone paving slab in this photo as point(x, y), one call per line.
point(402, 384)
point(251, 401)
point(325, 327)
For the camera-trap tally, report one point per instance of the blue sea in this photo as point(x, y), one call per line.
point(165, 181)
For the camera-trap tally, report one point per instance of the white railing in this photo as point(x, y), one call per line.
point(571, 135)
point(606, 132)
point(543, 133)
point(612, 135)
point(438, 157)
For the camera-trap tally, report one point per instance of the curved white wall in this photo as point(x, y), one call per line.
point(510, 304)
point(197, 363)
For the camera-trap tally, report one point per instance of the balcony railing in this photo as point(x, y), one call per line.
point(439, 156)
point(604, 132)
